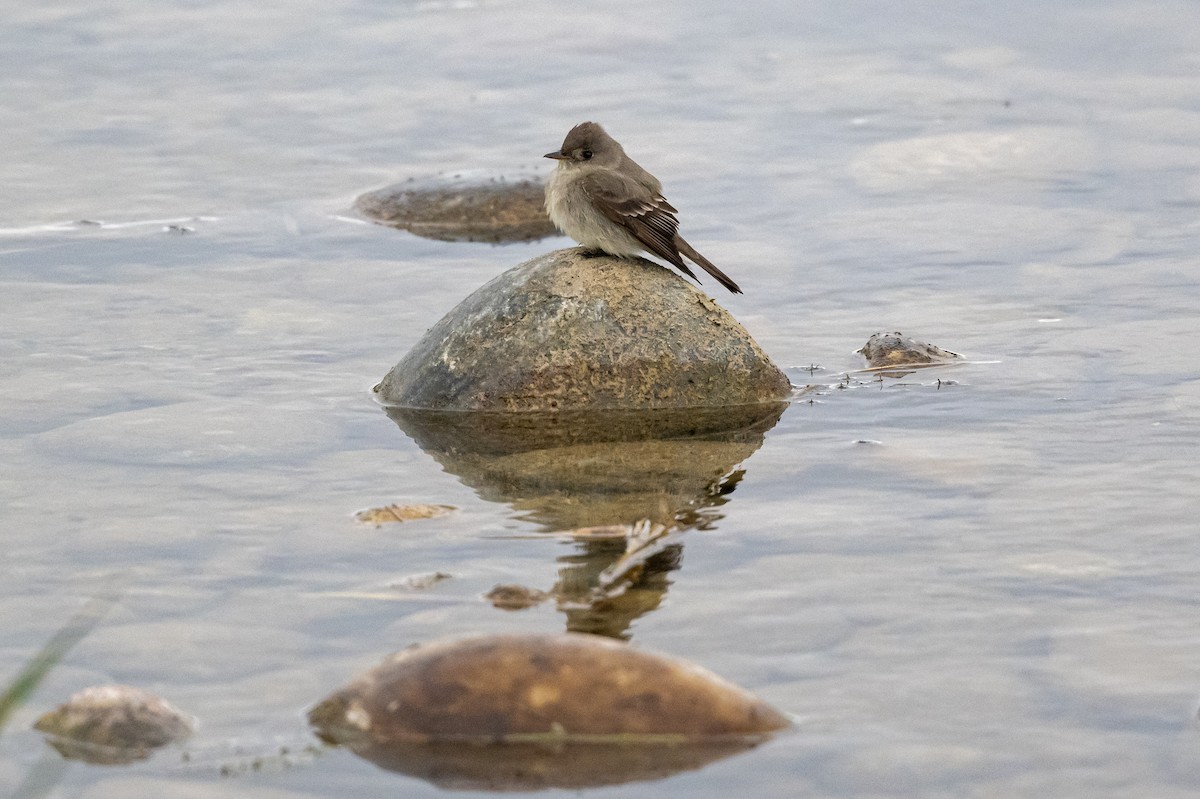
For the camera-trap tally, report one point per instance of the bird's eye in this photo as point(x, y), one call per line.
point(585, 154)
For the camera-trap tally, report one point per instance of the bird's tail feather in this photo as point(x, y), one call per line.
point(687, 250)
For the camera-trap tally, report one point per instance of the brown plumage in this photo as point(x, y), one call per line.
point(603, 199)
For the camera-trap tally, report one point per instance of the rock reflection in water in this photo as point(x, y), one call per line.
point(651, 475)
point(570, 470)
point(539, 766)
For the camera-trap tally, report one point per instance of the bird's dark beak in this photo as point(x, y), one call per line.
point(557, 155)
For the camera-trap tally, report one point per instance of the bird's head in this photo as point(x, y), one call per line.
point(587, 143)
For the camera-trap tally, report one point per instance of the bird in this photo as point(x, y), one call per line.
point(603, 199)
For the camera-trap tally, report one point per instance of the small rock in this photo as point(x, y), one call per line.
point(113, 724)
point(884, 350)
point(509, 596)
point(420, 582)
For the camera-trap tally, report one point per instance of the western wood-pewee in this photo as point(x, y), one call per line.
point(600, 197)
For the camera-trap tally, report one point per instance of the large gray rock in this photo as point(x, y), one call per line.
point(568, 331)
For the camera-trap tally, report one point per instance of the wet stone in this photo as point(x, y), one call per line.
point(113, 724)
point(571, 331)
point(509, 596)
point(523, 712)
point(463, 206)
point(420, 582)
point(885, 350)
point(498, 687)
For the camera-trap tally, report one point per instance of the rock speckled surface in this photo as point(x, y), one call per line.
point(571, 331)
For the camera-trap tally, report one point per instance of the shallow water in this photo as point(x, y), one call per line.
point(983, 586)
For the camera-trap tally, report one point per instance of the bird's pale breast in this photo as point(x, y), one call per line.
point(572, 211)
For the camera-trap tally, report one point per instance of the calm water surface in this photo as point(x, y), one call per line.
point(983, 587)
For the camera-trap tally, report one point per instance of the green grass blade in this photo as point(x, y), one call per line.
point(71, 633)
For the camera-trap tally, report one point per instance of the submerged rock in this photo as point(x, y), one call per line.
point(534, 711)
point(884, 350)
point(389, 514)
point(113, 724)
point(571, 331)
point(509, 596)
point(464, 206)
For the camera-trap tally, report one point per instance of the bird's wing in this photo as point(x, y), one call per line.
point(645, 214)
